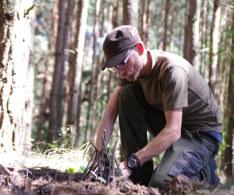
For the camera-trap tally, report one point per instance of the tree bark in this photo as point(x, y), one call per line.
point(142, 18)
point(130, 16)
point(114, 20)
point(206, 40)
point(145, 20)
point(16, 75)
point(148, 22)
point(75, 72)
point(203, 15)
point(115, 9)
point(172, 25)
point(191, 39)
point(167, 9)
point(91, 112)
point(58, 90)
point(214, 41)
point(228, 153)
point(43, 113)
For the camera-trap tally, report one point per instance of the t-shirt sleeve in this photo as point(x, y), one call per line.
point(174, 85)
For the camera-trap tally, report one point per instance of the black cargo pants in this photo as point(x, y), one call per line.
point(192, 155)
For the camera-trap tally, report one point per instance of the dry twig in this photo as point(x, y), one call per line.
point(101, 165)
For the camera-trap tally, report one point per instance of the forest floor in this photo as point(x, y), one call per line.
point(46, 181)
point(21, 176)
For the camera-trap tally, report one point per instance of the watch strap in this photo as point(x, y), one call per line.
point(133, 157)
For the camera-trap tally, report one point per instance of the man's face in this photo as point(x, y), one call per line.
point(131, 69)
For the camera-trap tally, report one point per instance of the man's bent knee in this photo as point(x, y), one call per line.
point(158, 181)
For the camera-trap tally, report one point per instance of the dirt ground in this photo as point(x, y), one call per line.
point(44, 181)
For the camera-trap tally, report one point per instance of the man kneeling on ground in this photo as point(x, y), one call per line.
point(163, 93)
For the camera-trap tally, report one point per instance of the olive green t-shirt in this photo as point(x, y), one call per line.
point(174, 83)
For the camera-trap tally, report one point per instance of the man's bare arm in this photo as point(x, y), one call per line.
point(108, 119)
point(167, 136)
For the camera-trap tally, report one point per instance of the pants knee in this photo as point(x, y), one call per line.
point(158, 180)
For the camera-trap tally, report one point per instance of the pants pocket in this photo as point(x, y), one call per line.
point(188, 163)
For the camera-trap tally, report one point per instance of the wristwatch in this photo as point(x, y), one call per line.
point(133, 162)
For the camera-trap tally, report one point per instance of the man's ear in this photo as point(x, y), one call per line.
point(140, 47)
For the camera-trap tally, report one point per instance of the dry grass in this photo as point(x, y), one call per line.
point(61, 159)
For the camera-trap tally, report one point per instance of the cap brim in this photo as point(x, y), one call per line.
point(116, 60)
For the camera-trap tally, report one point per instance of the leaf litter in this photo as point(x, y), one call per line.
point(58, 172)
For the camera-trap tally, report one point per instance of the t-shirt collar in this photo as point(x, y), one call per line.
point(154, 57)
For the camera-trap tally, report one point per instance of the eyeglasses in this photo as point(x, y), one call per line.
point(122, 64)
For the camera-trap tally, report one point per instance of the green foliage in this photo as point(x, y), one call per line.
point(71, 170)
point(80, 169)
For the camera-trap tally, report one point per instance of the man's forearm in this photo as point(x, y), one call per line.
point(167, 136)
point(157, 145)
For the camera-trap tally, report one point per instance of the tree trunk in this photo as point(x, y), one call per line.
point(172, 25)
point(130, 9)
point(142, 19)
point(183, 19)
point(228, 153)
point(91, 112)
point(43, 113)
point(58, 90)
point(206, 40)
point(203, 15)
point(75, 72)
point(196, 36)
point(148, 22)
point(16, 75)
point(214, 41)
point(145, 20)
point(223, 59)
point(115, 10)
point(114, 20)
point(167, 9)
point(191, 38)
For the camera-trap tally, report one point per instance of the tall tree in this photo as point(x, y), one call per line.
point(206, 37)
point(16, 74)
point(148, 22)
point(75, 71)
point(130, 15)
point(58, 90)
point(114, 21)
point(145, 20)
point(167, 9)
point(214, 41)
point(191, 35)
point(228, 153)
point(172, 25)
point(42, 115)
point(115, 10)
point(95, 72)
point(202, 26)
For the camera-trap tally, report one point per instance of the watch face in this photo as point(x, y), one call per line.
point(132, 163)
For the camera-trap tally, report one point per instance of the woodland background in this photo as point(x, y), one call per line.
point(52, 90)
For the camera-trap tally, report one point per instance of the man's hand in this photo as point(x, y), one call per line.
point(126, 172)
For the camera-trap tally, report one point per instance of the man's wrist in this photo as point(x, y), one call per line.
point(133, 162)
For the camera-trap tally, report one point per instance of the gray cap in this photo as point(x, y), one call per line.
point(117, 43)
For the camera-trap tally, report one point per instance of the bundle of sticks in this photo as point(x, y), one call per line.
point(102, 165)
